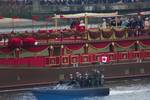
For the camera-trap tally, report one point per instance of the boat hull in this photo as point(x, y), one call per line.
point(28, 76)
point(42, 94)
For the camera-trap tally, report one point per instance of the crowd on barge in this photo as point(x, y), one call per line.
point(82, 2)
point(18, 2)
point(68, 2)
point(137, 22)
point(124, 22)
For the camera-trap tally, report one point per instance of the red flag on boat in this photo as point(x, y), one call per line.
point(104, 59)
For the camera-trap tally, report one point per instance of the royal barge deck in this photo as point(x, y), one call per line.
point(47, 56)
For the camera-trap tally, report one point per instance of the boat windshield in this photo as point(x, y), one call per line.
point(62, 87)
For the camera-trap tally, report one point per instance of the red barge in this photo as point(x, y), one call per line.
point(47, 56)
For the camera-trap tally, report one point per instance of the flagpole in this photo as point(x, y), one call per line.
point(47, 20)
point(13, 25)
point(56, 22)
point(34, 19)
point(46, 24)
point(32, 24)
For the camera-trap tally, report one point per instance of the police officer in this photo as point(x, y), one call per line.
point(71, 80)
point(93, 78)
point(98, 78)
point(78, 79)
point(81, 81)
point(86, 81)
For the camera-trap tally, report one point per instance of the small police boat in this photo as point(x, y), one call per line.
point(72, 89)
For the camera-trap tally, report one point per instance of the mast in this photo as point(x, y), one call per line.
point(86, 21)
point(56, 22)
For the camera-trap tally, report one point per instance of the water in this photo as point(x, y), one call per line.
point(119, 90)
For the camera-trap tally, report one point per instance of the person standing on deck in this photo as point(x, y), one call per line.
point(124, 23)
point(139, 25)
point(82, 23)
point(81, 27)
point(104, 24)
point(146, 23)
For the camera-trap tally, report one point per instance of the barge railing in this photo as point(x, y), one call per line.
point(70, 60)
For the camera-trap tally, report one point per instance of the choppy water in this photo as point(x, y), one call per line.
point(120, 90)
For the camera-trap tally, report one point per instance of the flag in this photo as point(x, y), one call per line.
point(104, 59)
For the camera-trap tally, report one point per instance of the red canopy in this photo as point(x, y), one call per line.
point(15, 42)
point(29, 41)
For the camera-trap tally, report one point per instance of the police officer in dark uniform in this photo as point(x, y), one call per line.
point(98, 78)
point(86, 81)
point(78, 79)
point(93, 78)
point(71, 80)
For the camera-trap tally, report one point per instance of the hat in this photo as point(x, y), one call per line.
point(98, 71)
point(81, 21)
point(104, 19)
point(86, 74)
point(147, 18)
